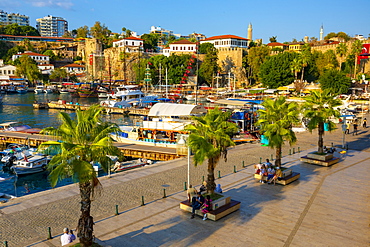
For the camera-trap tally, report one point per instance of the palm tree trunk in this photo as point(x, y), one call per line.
point(278, 156)
point(85, 223)
point(302, 74)
point(321, 140)
point(211, 185)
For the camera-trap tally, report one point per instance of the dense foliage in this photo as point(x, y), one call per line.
point(335, 82)
point(17, 30)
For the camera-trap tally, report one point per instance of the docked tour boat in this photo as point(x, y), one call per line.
point(39, 89)
point(30, 165)
point(132, 94)
point(6, 197)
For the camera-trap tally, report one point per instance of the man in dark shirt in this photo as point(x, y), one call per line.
point(197, 202)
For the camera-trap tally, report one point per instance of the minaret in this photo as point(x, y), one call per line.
point(321, 32)
point(250, 29)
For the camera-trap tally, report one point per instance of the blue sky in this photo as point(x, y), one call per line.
point(285, 19)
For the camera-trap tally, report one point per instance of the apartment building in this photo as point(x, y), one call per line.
point(11, 18)
point(52, 26)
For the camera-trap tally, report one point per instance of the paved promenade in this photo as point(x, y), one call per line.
point(327, 206)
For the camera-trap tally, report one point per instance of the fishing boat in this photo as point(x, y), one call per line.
point(87, 90)
point(22, 90)
point(30, 165)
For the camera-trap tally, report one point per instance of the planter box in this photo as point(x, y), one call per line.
point(316, 156)
point(330, 162)
point(220, 202)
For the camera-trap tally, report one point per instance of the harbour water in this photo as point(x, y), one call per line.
point(18, 108)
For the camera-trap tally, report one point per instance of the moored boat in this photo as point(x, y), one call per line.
point(30, 165)
point(39, 89)
point(6, 197)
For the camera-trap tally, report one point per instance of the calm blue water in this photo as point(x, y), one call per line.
point(18, 107)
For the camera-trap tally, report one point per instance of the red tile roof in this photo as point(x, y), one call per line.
point(46, 65)
point(32, 54)
point(73, 65)
point(183, 42)
point(225, 37)
point(276, 44)
point(133, 38)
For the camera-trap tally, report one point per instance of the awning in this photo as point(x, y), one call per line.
point(270, 91)
point(169, 109)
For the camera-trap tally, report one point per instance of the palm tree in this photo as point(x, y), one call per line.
point(318, 109)
point(209, 138)
point(84, 140)
point(356, 50)
point(341, 51)
point(275, 122)
point(296, 66)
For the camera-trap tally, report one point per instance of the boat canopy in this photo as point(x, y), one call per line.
point(170, 109)
point(238, 102)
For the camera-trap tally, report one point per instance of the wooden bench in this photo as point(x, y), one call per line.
point(330, 162)
point(213, 214)
point(283, 181)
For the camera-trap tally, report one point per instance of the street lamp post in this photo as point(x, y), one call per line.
point(184, 140)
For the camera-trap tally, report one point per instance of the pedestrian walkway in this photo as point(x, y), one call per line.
point(327, 206)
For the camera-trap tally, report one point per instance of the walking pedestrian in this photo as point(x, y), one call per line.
point(355, 126)
point(364, 122)
point(348, 125)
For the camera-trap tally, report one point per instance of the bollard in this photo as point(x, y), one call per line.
point(164, 193)
point(219, 174)
point(290, 152)
point(272, 158)
point(234, 169)
point(142, 201)
point(260, 160)
point(332, 144)
point(202, 179)
point(116, 210)
point(243, 163)
point(49, 233)
point(5, 243)
point(299, 149)
point(185, 188)
point(293, 150)
point(347, 147)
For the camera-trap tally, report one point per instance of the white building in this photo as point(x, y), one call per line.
point(39, 58)
point(7, 70)
point(51, 26)
point(227, 41)
point(74, 68)
point(46, 69)
point(131, 44)
point(180, 47)
point(10, 18)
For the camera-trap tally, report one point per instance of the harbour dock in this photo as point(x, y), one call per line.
point(62, 105)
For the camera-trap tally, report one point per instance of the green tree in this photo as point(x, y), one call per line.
point(318, 109)
point(27, 67)
point(356, 50)
point(100, 31)
point(204, 47)
point(325, 61)
point(275, 122)
point(150, 41)
point(82, 32)
point(341, 51)
point(342, 35)
point(84, 140)
point(59, 74)
point(296, 66)
point(209, 138)
point(256, 56)
point(273, 39)
point(304, 57)
point(209, 67)
point(51, 55)
point(336, 82)
point(276, 70)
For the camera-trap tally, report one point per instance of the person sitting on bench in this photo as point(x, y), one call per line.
point(191, 192)
point(197, 203)
point(278, 176)
point(203, 187)
point(206, 206)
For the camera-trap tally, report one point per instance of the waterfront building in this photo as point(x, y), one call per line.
point(74, 68)
point(39, 58)
point(227, 41)
point(180, 47)
point(130, 44)
point(7, 70)
point(11, 18)
point(46, 69)
point(52, 26)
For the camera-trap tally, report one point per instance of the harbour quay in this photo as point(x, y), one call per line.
point(327, 206)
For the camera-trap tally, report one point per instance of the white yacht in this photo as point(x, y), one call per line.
point(30, 165)
point(132, 94)
point(39, 89)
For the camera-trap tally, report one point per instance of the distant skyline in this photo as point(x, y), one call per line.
point(285, 19)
